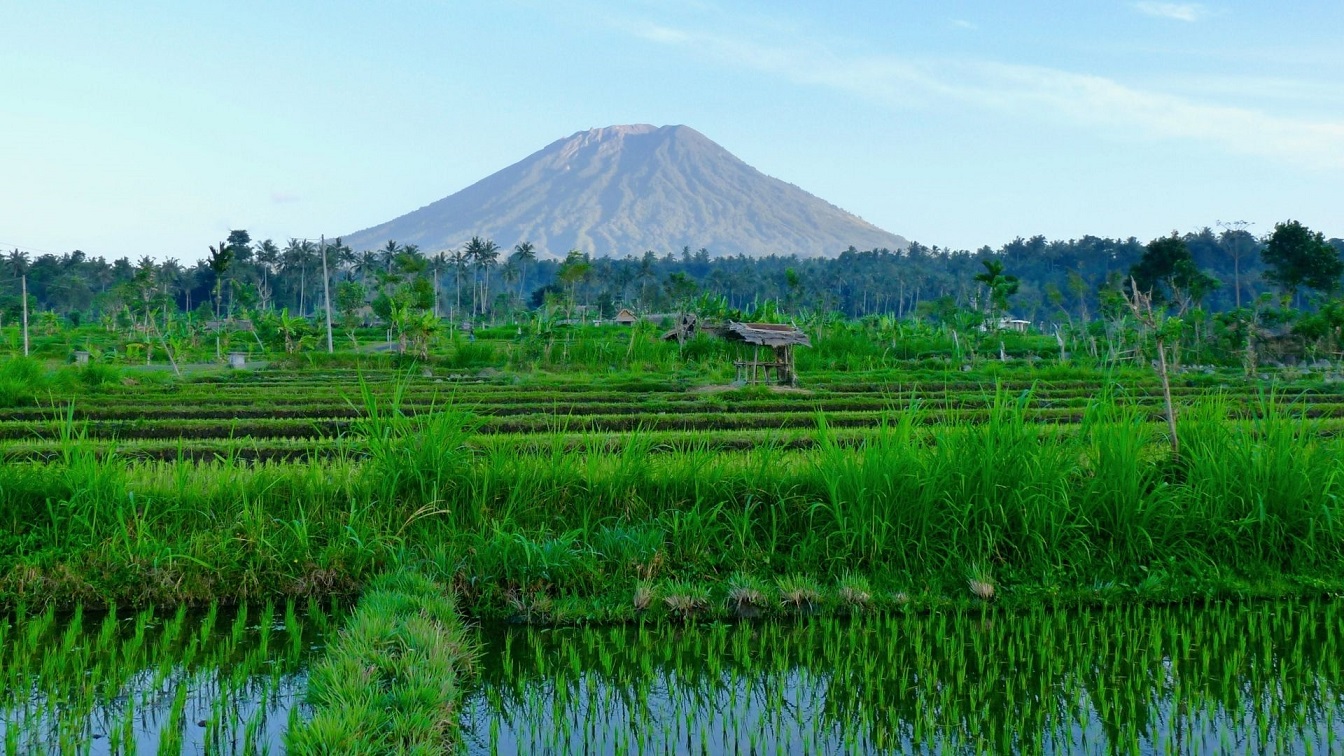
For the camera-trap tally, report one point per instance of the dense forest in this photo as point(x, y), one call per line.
point(1052, 282)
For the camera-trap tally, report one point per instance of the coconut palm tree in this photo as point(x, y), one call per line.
point(388, 254)
point(366, 264)
point(472, 253)
point(297, 256)
point(523, 253)
point(486, 258)
point(438, 262)
point(459, 260)
point(509, 274)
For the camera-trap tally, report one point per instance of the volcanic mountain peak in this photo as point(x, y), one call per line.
point(624, 189)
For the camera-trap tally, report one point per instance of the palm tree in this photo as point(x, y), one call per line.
point(510, 273)
point(459, 260)
point(389, 253)
point(524, 253)
point(438, 261)
point(170, 275)
point(268, 258)
point(366, 264)
point(1001, 287)
point(340, 255)
point(145, 282)
point(471, 253)
point(487, 256)
point(221, 258)
point(297, 255)
point(17, 262)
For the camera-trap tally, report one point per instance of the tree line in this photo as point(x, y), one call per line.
point(1058, 281)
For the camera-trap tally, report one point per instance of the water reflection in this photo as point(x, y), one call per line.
point(1247, 678)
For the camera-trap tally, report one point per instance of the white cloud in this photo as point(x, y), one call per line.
point(283, 197)
point(962, 23)
point(1030, 92)
point(1176, 11)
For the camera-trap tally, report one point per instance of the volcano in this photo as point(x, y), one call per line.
point(625, 189)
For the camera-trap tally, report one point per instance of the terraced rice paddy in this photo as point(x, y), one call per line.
point(1248, 678)
point(295, 415)
point(918, 553)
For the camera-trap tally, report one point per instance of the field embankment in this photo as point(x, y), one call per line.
point(930, 486)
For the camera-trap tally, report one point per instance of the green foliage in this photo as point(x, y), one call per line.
point(220, 679)
point(416, 457)
point(391, 681)
point(1259, 676)
point(1001, 286)
point(1167, 272)
point(1298, 258)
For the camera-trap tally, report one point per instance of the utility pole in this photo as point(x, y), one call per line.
point(326, 292)
point(24, 280)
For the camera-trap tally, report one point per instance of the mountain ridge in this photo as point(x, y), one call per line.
point(623, 189)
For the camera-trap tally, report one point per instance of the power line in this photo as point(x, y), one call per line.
point(22, 248)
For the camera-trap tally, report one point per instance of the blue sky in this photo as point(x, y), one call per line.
point(153, 128)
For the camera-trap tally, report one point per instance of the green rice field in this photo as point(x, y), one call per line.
point(877, 561)
point(1218, 678)
point(214, 680)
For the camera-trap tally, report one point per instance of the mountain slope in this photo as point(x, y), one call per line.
point(624, 189)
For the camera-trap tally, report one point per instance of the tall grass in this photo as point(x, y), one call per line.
point(919, 500)
point(390, 682)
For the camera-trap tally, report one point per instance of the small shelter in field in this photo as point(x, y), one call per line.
point(625, 317)
point(685, 328)
point(1007, 324)
point(779, 338)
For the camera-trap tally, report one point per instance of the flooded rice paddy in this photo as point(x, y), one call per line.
point(1221, 678)
point(1251, 678)
point(226, 681)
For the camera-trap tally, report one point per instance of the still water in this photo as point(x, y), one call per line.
point(215, 681)
point(1245, 678)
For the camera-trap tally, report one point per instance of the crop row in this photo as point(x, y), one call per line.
point(255, 449)
point(597, 404)
point(283, 403)
point(548, 423)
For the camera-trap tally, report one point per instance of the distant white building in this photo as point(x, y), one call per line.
point(1007, 324)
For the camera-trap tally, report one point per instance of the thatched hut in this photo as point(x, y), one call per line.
point(779, 338)
point(625, 317)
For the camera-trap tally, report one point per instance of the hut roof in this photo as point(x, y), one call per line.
point(766, 334)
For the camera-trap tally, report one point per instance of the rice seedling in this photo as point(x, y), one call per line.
point(1139, 678)
point(149, 681)
point(799, 593)
point(684, 600)
point(747, 596)
point(643, 597)
point(855, 593)
point(979, 582)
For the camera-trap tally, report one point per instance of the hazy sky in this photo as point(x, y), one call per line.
point(153, 128)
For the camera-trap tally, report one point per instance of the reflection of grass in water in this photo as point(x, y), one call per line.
point(226, 682)
point(1253, 678)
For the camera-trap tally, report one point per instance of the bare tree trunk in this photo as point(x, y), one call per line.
point(326, 295)
point(24, 280)
point(1166, 395)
